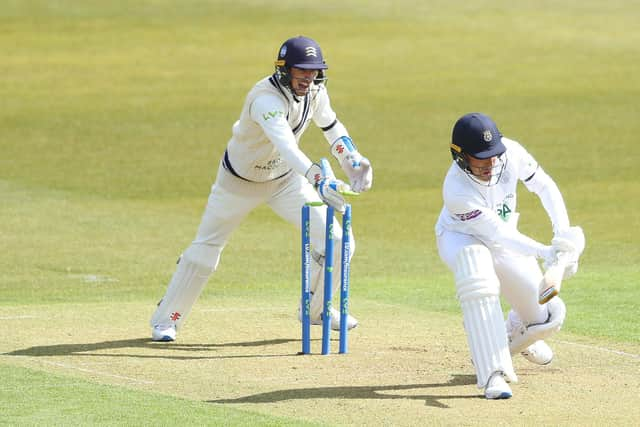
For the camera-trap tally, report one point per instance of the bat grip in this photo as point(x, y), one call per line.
point(552, 279)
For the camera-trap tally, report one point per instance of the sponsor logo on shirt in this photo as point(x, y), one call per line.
point(469, 215)
point(270, 165)
point(272, 115)
point(503, 209)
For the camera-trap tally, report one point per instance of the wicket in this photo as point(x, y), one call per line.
point(328, 280)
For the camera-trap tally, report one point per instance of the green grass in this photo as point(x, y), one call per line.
point(36, 398)
point(113, 116)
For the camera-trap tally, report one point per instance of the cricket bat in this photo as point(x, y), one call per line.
point(552, 279)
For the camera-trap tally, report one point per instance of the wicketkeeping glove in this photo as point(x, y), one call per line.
point(329, 188)
point(357, 167)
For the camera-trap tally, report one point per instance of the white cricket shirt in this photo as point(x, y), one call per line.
point(265, 139)
point(490, 213)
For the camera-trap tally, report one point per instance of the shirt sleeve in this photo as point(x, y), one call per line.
point(526, 164)
point(269, 112)
point(546, 189)
point(537, 181)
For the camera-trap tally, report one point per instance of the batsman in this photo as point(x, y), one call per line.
point(263, 164)
point(478, 239)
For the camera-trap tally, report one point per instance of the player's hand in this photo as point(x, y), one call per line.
point(329, 188)
point(549, 256)
point(567, 243)
point(571, 242)
point(568, 251)
point(357, 167)
point(570, 270)
point(329, 191)
point(359, 171)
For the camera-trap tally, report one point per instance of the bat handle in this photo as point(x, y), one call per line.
point(550, 285)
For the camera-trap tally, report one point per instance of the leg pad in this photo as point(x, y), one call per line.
point(478, 291)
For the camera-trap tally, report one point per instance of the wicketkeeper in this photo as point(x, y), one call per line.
point(478, 239)
point(263, 164)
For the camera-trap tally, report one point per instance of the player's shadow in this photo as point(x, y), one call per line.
point(161, 350)
point(365, 392)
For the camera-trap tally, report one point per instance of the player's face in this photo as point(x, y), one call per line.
point(482, 168)
point(301, 80)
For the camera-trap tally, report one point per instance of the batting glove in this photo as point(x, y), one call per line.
point(571, 241)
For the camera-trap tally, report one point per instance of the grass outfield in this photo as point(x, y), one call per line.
point(34, 397)
point(113, 117)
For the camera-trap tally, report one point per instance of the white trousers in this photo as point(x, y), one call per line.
point(519, 275)
point(230, 201)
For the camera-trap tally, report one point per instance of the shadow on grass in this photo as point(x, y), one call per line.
point(146, 343)
point(161, 349)
point(364, 392)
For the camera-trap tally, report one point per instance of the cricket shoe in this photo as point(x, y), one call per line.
point(539, 353)
point(163, 333)
point(497, 387)
point(352, 322)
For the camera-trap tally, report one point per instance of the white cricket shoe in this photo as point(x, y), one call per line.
point(539, 353)
point(352, 322)
point(497, 387)
point(163, 333)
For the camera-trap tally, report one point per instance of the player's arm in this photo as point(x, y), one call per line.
point(488, 227)
point(269, 113)
point(568, 241)
point(357, 167)
point(540, 183)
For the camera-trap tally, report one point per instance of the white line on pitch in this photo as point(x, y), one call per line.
point(91, 371)
point(249, 309)
point(606, 350)
point(25, 316)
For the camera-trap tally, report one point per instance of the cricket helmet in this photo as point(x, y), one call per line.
point(477, 135)
point(300, 52)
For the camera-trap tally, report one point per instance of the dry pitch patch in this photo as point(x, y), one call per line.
point(403, 368)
